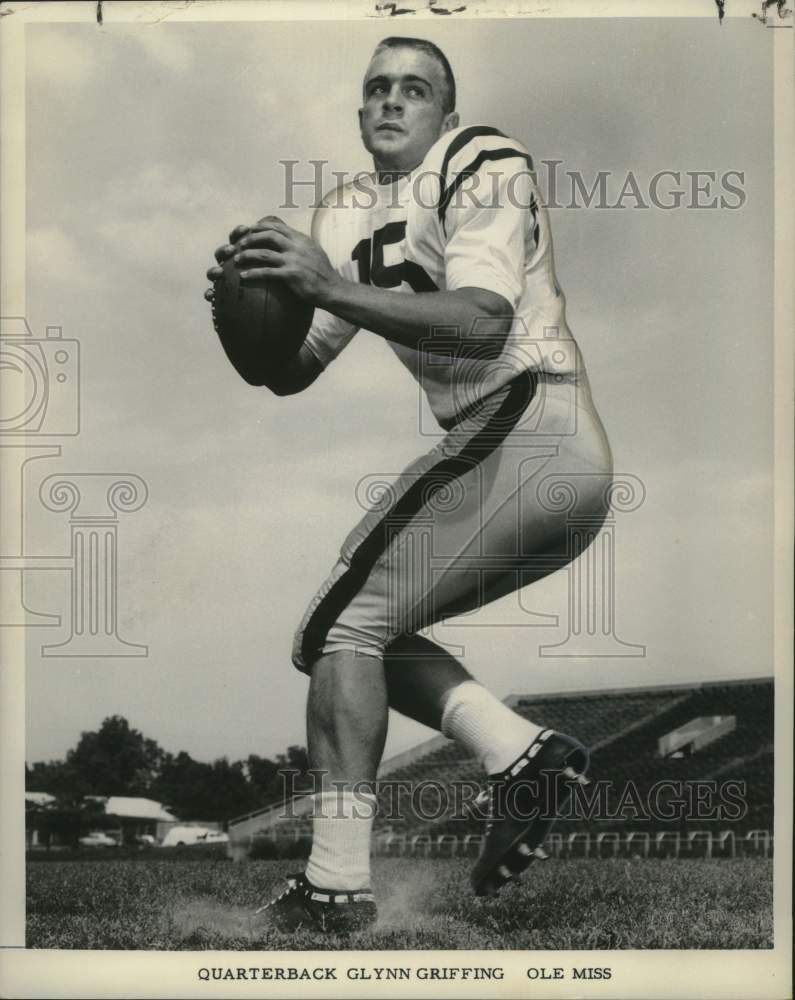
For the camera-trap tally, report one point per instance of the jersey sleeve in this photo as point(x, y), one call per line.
point(328, 335)
point(486, 211)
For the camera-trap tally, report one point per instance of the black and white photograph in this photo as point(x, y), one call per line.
point(395, 548)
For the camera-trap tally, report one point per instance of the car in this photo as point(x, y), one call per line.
point(185, 836)
point(215, 837)
point(97, 839)
point(182, 836)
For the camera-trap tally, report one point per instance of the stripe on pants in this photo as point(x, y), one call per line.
point(363, 559)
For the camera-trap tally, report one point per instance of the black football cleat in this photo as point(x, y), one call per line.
point(302, 906)
point(523, 804)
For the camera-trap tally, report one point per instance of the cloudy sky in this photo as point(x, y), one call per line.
point(147, 143)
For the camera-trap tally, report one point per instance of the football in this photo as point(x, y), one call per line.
point(263, 320)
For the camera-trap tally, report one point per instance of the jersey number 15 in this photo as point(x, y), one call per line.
point(369, 256)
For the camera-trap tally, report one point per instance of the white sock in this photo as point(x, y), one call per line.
point(341, 827)
point(493, 732)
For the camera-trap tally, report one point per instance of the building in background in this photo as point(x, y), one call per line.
point(129, 820)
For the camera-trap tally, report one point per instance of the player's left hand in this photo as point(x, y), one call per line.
point(272, 249)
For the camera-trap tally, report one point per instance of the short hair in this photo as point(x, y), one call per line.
point(422, 45)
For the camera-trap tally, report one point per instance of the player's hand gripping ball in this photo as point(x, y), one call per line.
point(261, 314)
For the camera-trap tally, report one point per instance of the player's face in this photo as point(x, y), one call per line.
point(403, 114)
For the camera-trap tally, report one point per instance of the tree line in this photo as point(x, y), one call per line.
point(119, 760)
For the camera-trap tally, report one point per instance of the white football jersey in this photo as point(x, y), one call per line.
point(468, 216)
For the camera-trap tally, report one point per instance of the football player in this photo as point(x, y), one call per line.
point(445, 252)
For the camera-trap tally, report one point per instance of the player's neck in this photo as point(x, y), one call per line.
point(391, 173)
point(391, 176)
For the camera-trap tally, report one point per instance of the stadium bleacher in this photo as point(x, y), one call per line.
point(624, 729)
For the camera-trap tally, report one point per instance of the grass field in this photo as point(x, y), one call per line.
point(572, 904)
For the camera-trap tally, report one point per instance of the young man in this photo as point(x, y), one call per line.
point(446, 254)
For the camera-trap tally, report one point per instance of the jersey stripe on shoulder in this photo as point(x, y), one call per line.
point(465, 136)
point(484, 156)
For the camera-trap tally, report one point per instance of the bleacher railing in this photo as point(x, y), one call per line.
point(707, 844)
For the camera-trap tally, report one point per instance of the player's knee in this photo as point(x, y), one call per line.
point(360, 639)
